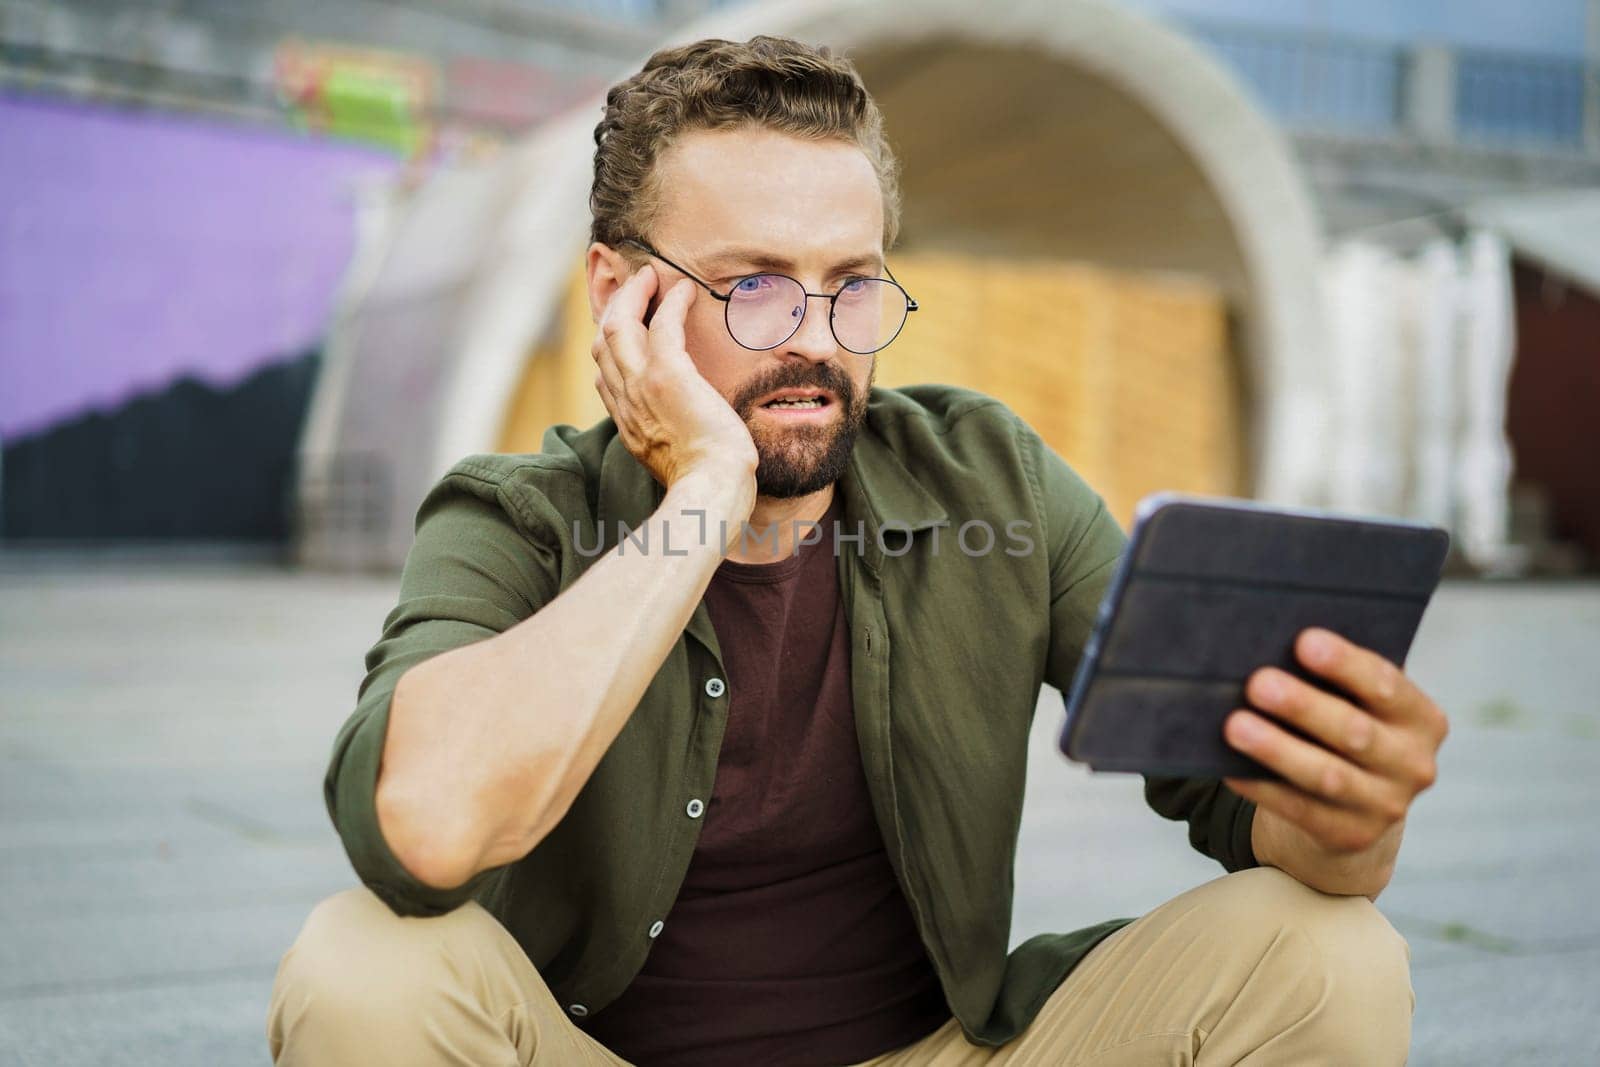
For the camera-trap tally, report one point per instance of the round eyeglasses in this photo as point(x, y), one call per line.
point(762, 311)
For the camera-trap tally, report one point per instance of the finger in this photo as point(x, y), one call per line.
point(1336, 828)
point(1311, 768)
point(606, 364)
point(666, 328)
point(1378, 685)
point(622, 323)
point(625, 425)
point(606, 398)
point(632, 297)
point(610, 401)
point(1334, 722)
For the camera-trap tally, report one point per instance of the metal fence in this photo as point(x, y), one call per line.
point(1328, 82)
point(1314, 81)
point(1519, 98)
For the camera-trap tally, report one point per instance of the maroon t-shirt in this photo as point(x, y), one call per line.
point(790, 941)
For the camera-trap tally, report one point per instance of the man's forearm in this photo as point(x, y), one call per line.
point(1279, 843)
point(489, 744)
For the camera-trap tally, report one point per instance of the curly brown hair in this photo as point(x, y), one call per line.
point(771, 82)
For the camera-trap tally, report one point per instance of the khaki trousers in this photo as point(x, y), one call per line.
point(1250, 968)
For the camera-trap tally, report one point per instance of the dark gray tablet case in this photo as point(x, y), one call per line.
point(1207, 591)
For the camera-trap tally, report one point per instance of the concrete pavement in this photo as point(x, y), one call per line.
point(164, 725)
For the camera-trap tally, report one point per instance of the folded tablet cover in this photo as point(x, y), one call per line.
point(1210, 590)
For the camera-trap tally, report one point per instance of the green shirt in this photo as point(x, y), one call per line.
point(951, 637)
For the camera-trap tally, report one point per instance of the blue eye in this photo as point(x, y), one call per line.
point(854, 285)
point(751, 284)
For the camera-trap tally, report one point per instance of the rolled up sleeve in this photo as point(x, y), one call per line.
point(471, 573)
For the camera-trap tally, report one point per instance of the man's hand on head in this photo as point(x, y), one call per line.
point(670, 418)
point(1335, 821)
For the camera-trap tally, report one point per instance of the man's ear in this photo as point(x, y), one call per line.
point(605, 270)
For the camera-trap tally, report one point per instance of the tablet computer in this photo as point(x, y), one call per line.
point(1210, 589)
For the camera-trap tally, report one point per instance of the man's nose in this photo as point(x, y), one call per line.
point(814, 339)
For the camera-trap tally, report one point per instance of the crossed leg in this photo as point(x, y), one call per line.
point(1252, 968)
point(363, 985)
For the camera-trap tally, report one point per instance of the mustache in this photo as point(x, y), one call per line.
point(827, 376)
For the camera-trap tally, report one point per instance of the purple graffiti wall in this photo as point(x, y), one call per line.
point(136, 248)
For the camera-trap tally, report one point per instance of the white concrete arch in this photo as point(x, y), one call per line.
point(1074, 129)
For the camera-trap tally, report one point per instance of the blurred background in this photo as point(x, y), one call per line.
point(268, 269)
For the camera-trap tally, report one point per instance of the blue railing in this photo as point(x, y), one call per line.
point(1314, 81)
point(1326, 82)
point(1518, 98)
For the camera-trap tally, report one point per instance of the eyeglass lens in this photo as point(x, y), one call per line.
point(765, 310)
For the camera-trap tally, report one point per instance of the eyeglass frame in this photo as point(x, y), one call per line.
point(832, 298)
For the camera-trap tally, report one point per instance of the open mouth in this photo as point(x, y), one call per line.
point(798, 400)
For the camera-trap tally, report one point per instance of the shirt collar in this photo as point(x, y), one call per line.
point(880, 490)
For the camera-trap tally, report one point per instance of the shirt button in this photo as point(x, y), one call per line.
point(656, 928)
point(696, 808)
point(577, 1011)
point(715, 687)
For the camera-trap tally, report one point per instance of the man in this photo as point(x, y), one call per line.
point(699, 736)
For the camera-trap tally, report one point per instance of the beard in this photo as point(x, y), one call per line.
point(801, 460)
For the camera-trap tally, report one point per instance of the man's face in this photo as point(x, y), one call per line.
point(739, 202)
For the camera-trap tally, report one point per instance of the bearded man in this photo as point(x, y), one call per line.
point(699, 736)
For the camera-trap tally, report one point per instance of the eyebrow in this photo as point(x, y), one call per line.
point(729, 258)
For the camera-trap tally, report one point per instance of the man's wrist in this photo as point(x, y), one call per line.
point(1281, 844)
point(711, 503)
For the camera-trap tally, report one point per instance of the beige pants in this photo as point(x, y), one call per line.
point(1251, 968)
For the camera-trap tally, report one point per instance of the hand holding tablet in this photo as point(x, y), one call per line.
point(1210, 590)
